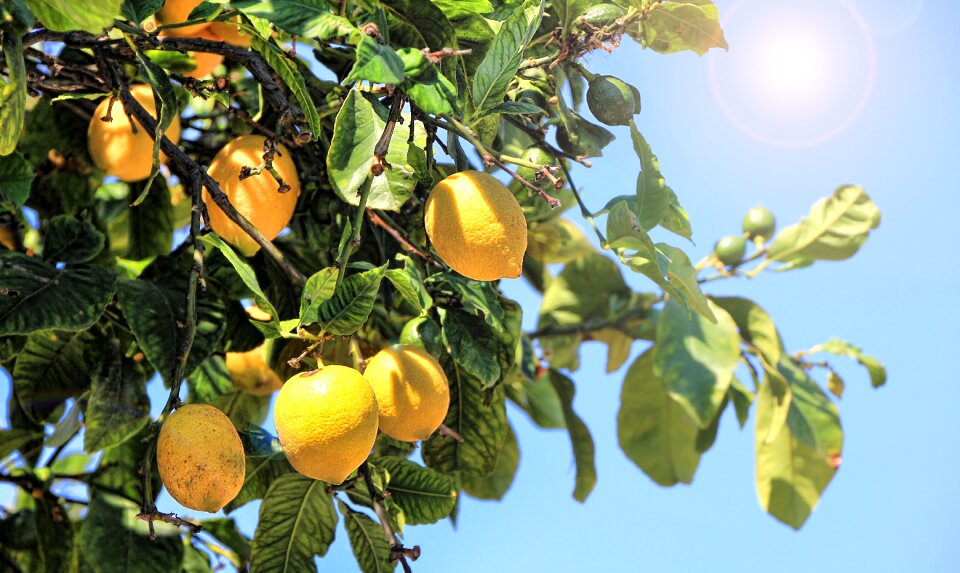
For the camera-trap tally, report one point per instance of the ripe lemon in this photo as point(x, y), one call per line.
point(257, 197)
point(412, 392)
point(176, 11)
point(206, 62)
point(200, 457)
point(476, 226)
point(231, 33)
point(116, 148)
point(251, 374)
point(327, 422)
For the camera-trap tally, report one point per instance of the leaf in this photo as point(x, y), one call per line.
point(297, 521)
point(432, 92)
point(498, 67)
point(261, 471)
point(876, 369)
point(318, 290)
point(376, 63)
point(835, 229)
point(50, 369)
point(12, 440)
point(835, 384)
point(113, 539)
point(225, 531)
point(140, 10)
point(516, 108)
point(755, 325)
point(496, 485)
point(369, 545)
point(151, 222)
point(539, 399)
point(16, 174)
point(677, 26)
point(194, 560)
point(696, 359)
point(742, 398)
point(304, 18)
point(583, 448)
point(654, 431)
point(67, 427)
point(38, 296)
point(472, 345)
point(242, 408)
point(13, 92)
point(651, 198)
point(424, 495)
point(791, 475)
point(350, 306)
point(244, 271)
point(67, 15)
point(479, 417)
point(54, 535)
point(120, 468)
point(474, 6)
point(409, 287)
point(291, 76)
point(153, 321)
point(420, 24)
point(69, 240)
point(119, 407)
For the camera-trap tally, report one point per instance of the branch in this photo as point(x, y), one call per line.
point(170, 518)
point(354, 241)
point(404, 242)
point(397, 551)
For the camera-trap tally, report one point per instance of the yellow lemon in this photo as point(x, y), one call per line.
point(206, 62)
point(200, 457)
point(412, 392)
point(114, 145)
point(257, 197)
point(327, 422)
point(251, 374)
point(477, 227)
point(231, 33)
point(176, 11)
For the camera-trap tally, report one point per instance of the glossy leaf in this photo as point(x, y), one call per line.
point(376, 63)
point(113, 539)
point(496, 485)
point(755, 325)
point(583, 448)
point(69, 240)
point(140, 10)
point(16, 175)
point(13, 92)
point(50, 369)
point(118, 407)
point(369, 545)
point(503, 58)
point(347, 310)
point(424, 495)
point(303, 18)
point(472, 345)
point(318, 290)
point(292, 77)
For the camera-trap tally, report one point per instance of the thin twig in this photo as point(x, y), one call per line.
point(397, 551)
point(170, 518)
point(404, 242)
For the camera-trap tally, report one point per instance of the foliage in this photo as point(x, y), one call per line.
point(377, 100)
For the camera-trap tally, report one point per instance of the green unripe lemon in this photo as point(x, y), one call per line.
point(759, 222)
point(730, 250)
point(538, 156)
point(612, 101)
point(602, 15)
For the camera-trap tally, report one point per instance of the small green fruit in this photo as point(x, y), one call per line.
point(612, 100)
point(538, 156)
point(602, 15)
point(759, 223)
point(730, 250)
point(421, 331)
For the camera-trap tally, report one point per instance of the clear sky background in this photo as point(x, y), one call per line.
point(883, 84)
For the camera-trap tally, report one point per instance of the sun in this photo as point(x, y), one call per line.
point(792, 67)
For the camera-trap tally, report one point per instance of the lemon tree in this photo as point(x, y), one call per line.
point(350, 184)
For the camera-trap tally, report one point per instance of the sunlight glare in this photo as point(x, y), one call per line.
point(791, 67)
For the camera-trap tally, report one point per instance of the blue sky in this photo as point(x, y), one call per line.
point(893, 505)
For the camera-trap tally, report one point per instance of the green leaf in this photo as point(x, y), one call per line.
point(224, 529)
point(120, 468)
point(420, 24)
point(369, 545)
point(432, 92)
point(495, 485)
point(350, 306)
point(480, 417)
point(67, 15)
point(119, 407)
point(304, 18)
point(835, 229)
point(696, 359)
point(539, 399)
point(263, 468)
point(742, 398)
point(140, 10)
point(654, 431)
point(244, 271)
point(472, 345)
point(151, 222)
point(583, 448)
point(678, 26)
point(55, 536)
point(16, 176)
point(50, 369)
point(194, 560)
point(651, 198)
point(876, 369)
point(755, 325)
point(586, 139)
point(474, 6)
point(152, 319)
point(13, 439)
point(376, 63)
point(297, 521)
point(318, 290)
point(424, 495)
point(498, 67)
point(113, 539)
point(516, 108)
point(67, 427)
point(13, 91)
point(409, 287)
point(69, 240)
point(242, 408)
point(39, 296)
point(291, 76)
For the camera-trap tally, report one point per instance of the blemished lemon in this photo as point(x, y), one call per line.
point(477, 227)
point(251, 374)
point(116, 148)
point(412, 392)
point(200, 457)
point(177, 11)
point(327, 422)
point(257, 197)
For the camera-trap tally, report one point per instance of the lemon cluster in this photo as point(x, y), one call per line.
point(176, 12)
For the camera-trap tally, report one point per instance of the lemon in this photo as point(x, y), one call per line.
point(200, 457)
point(477, 227)
point(412, 392)
point(730, 250)
point(327, 422)
point(115, 147)
point(251, 374)
point(175, 12)
point(257, 197)
point(759, 222)
point(206, 62)
point(231, 33)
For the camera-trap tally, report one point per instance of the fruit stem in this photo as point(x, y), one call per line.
point(354, 241)
point(397, 550)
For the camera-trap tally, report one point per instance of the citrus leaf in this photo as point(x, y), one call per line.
point(367, 540)
point(50, 369)
point(69, 240)
point(496, 485)
point(113, 539)
point(12, 440)
point(420, 24)
point(140, 10)
point(261, 471)
point(151, 222)
point(291, 76)
point(152, 319)
point(755, 325)
point(376, 63)
point(304, 18)
point(678, 26)
point(654, 431)
point(472, 344)
point(120, 468)
point(68, 15)
point(424, 495)
point(696, 359)
point(244, 271)
point(55, 537)
point(39, 296)
point(835, 229)
point(742, 398)
point(224, 530)
point(651, 198)
point(583, 448)
point(349, 307)
point(876, 369)
point(118, 407)
point(502, 60)
point(539, 399)
point(319, 289)
point(432, 92)
point(16, 176)
point(297, 521)
point(242, 408)
point(13, 92)
point(351, 147)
